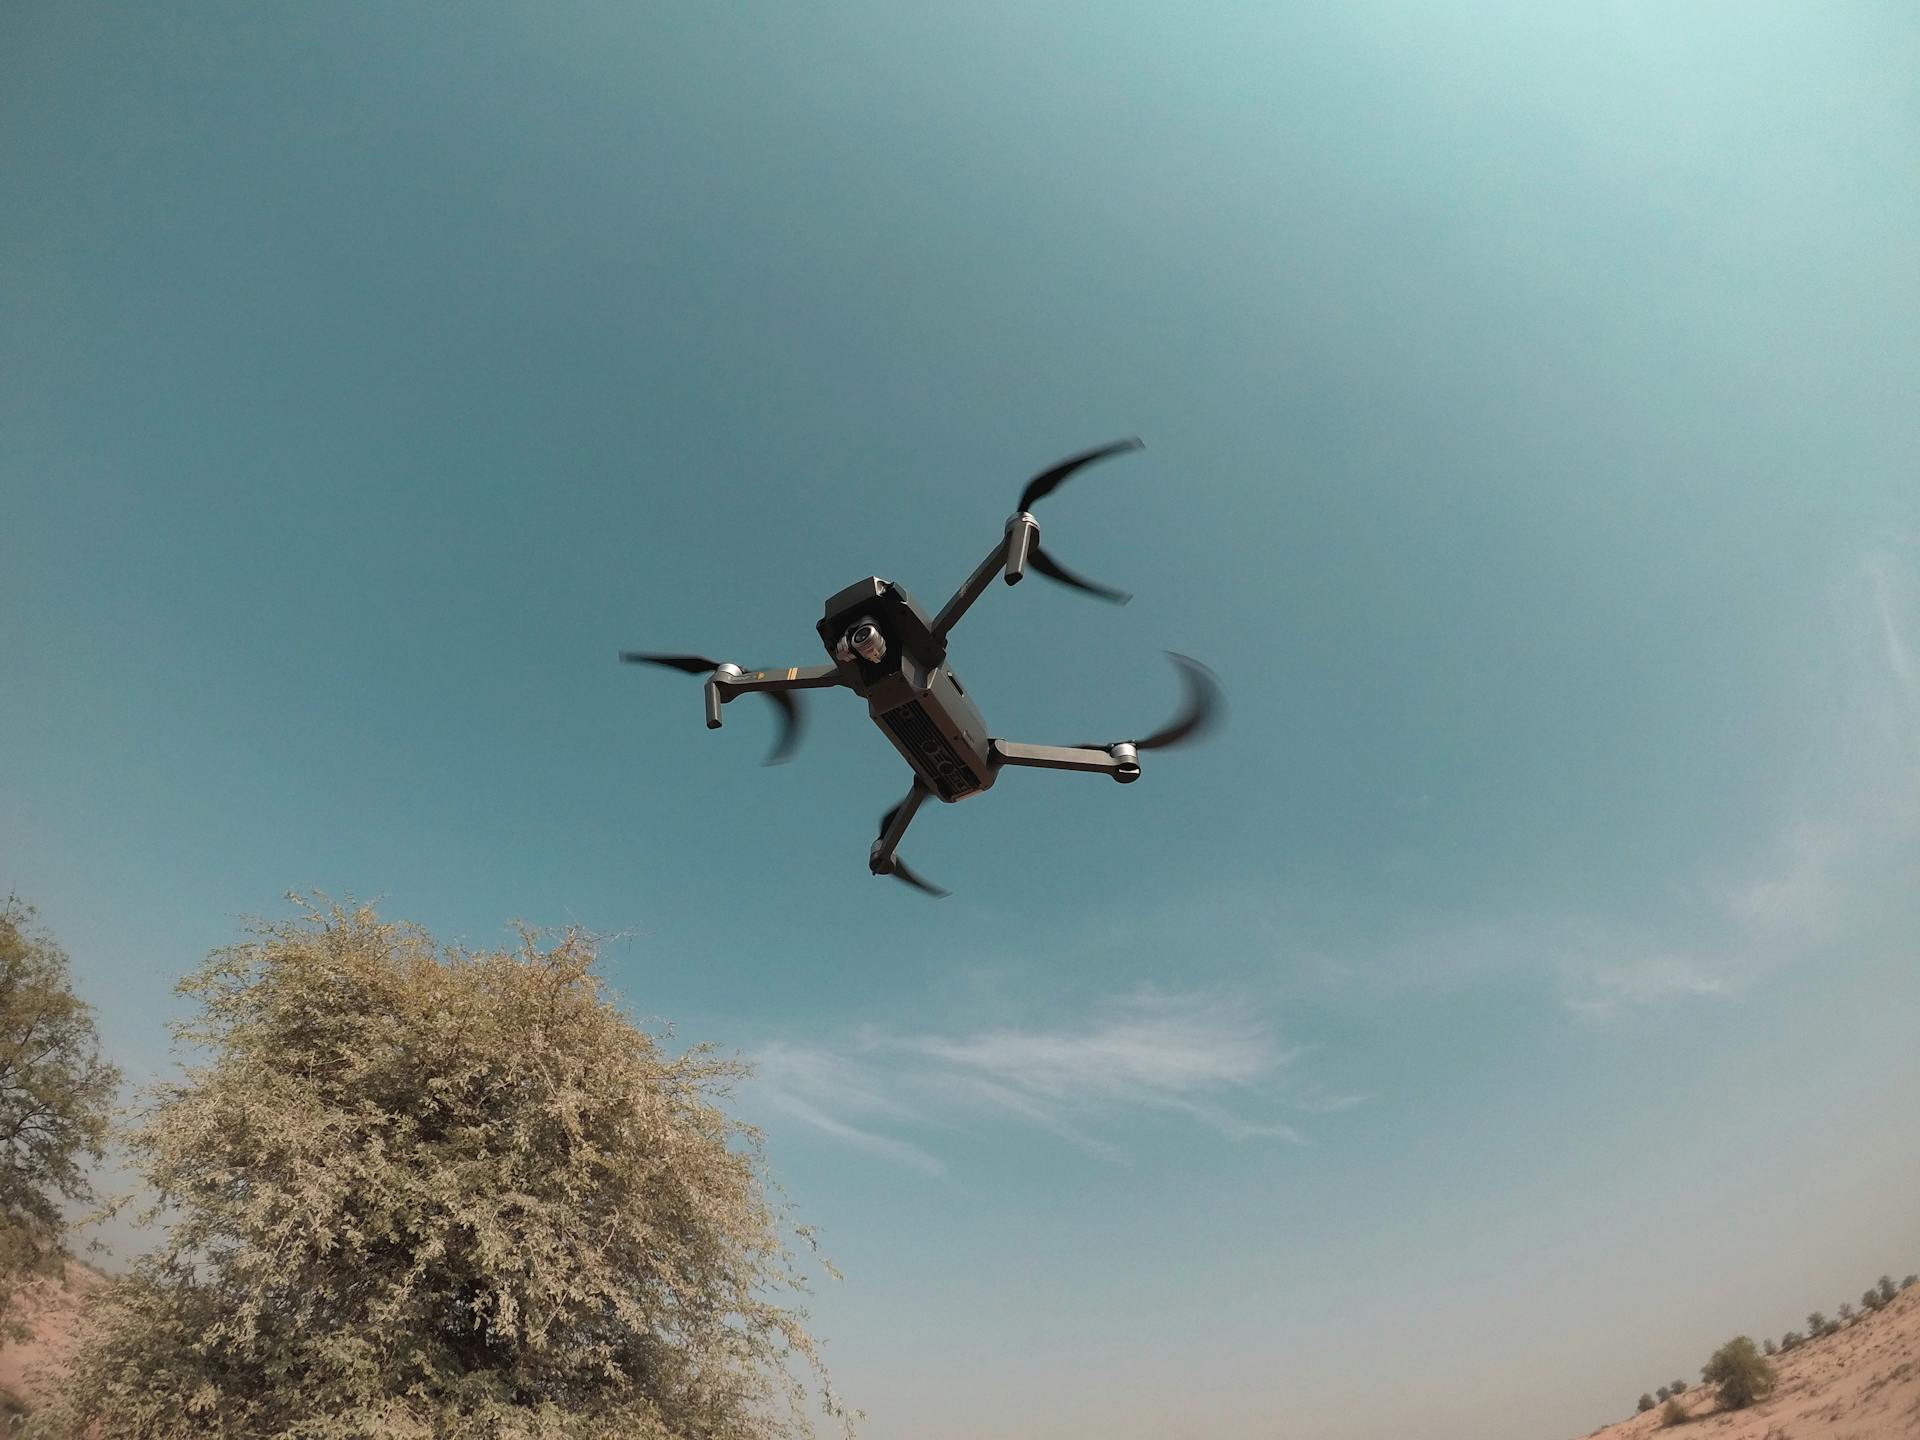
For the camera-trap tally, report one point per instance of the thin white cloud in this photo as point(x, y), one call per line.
point(1837, 872)
point(1150, 1052)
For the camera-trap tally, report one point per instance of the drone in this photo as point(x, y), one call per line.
point(886, 650)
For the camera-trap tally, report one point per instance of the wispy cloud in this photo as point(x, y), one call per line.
point(1204, 1059)
point(1838, 868)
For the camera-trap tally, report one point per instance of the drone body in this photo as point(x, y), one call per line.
point(886, 650)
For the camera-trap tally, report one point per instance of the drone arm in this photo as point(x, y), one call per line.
point(880, 858)
point(1009, 555)
point(1120, 761)
point(797, 677)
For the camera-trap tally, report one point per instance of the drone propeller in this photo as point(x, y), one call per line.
point(901, 870)
point(790, 717)
point(1043, 485)
point(1205, 702)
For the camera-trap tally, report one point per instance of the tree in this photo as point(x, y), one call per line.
point(1816, 1324)
point(1678, 1387)
point(1789, 1340)
point(1870, 1297)
point(55, 1098)
point(1646, 1403)
point(1674, 1413)
point(1661, 1393)
point(1846, 1311)
point(1770, 1347)
point(1888, 1289)
point(421, 1191)
point(1740, 1372)
point(1911, 1279)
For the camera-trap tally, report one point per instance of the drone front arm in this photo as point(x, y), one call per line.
point(1009, 555)
point(794, 677)
point(1120, 761)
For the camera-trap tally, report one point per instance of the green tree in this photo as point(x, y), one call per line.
point(1910, 1280)
point(1646, 1404)
point(1661, 1393)
point(1770, 1347)
point(1816, 1324)
point(421, 1191)
point(1846, 1311)
point(56, 1096)
point(1741, 1373)
point(1678, 1387)
point(1887, 1289)
point(1870, 1297)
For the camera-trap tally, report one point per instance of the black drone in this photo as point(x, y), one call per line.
point(886, 650)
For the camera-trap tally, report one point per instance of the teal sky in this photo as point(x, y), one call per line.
point(1517, 997)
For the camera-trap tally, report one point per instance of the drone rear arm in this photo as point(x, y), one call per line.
point(1122, 762)
point(1009, 555)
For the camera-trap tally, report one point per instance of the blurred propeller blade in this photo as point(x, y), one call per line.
point(791, 722)
point(692, 664)
point(1047, 481)
point(790, 727)
point(1205, 702)
point(1054, 570)
point(901, 872)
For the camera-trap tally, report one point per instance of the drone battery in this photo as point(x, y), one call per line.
point(940, 734)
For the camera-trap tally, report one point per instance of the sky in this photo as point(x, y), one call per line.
point(1514, 999)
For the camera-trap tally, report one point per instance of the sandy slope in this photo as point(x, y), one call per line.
point(50, 1309)
point(1860, 1384)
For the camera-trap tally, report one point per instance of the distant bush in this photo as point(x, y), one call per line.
point(1740, 1373)
point(1816, 1324)
point(1771, 1348)
point(1674, 1413)
point(1910, 1280)
point(1887, 1289)
point(1789, 1340)
point(1646, 1403)
point(1870, 1297)
point(1846, 1311)
point(1661, 1393)
point(1678, 1387)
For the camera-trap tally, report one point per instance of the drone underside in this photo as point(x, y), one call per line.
point(885, 649)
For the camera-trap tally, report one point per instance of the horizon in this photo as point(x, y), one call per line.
point(1529, 447)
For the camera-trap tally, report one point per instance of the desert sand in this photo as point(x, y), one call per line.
point(1861, 1383)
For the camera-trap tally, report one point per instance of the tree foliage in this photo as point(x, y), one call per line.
point(56, 1096)
point(420, 1191)
point(1741, 1373)
point(1646, 1403)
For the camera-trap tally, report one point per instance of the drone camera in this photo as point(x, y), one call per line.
point(866, 641)
point(1128, 769)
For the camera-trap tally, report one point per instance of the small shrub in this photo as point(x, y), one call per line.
point(1771, 1348)
point(1816, 1324)
point(1789, 1340)
point(1646, 1403)
point(1846, 1312)
point(1910, 1280)
point(1870, 1297)
point(1674, 1413)
point(1740, 1373)
point(1887, 1289)
point(1661, 1393)
point(1678, 1387)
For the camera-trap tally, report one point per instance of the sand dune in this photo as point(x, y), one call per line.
point(1862, 1383)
